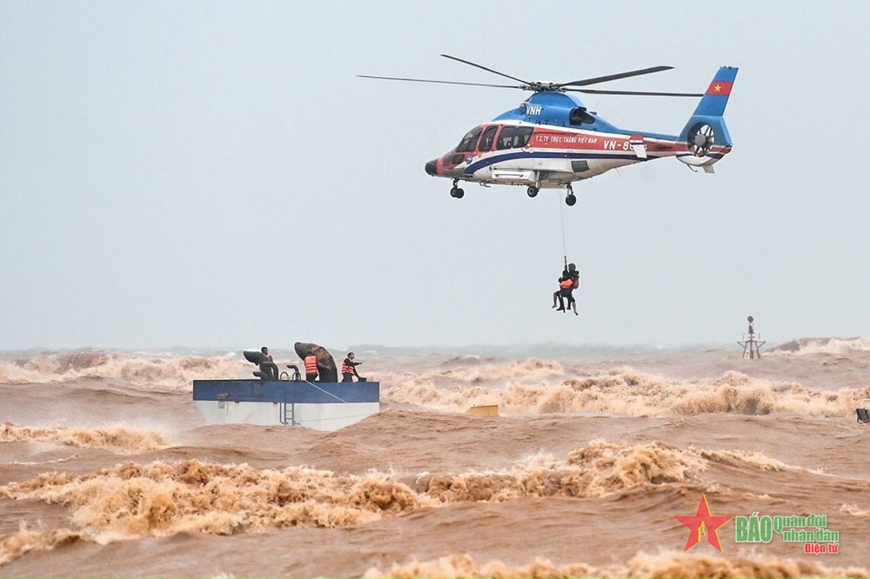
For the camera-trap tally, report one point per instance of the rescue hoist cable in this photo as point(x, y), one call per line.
point(564, 246)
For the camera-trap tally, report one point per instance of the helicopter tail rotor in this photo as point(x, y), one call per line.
point(707, 141)
point(701, 139)
point(705, 134)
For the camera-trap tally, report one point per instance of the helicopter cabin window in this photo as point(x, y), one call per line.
point(522, 136)
point(469, 141)
point(579, 116)
point(488, 138)
point(506, 137)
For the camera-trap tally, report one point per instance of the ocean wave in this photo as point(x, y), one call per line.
point(531, 386)
point(119, 438)
point(17, 544)
point(665, 564)
point(160, 499)
point(167, 371)
point(821, 346)
point(596, 470)
point(625, 392)
point(854, 510)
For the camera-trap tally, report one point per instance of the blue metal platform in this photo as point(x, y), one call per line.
point(318, 405)
point(286, 391)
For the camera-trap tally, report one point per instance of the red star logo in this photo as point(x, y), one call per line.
point(703, 523)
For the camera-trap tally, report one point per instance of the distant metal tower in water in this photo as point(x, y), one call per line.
point(751, 342)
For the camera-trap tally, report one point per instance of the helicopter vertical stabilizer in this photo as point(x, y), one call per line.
point(706, 135)
point(714, 100)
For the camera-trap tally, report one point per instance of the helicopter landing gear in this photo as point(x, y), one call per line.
point(532, 191)
point(570, 199)
point(456, 192)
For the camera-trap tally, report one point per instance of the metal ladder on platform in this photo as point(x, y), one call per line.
point(288, 414)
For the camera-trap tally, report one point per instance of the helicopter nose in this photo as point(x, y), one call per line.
point(432, 167)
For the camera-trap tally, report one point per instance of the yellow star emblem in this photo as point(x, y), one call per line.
point(718, 88)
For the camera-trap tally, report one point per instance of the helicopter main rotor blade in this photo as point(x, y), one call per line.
point(617, 76)
point(486, 69)
point(540, 86)
point(634, 92)
point(440, 81)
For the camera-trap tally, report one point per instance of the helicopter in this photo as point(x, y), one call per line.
point(552, 140)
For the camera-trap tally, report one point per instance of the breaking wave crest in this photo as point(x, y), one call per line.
point(476, 371)
point(596, 470)
point(119, 438)
point(666, 564)
point(626, 392)
point(530, 386)
point(822, 346)
point(169, 372)
point(160, 499)
point(163, 499)
point(18, 544)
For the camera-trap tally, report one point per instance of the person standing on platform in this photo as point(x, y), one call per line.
point(348, 368)
point(311, 368)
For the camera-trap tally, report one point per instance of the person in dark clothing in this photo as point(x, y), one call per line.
point(268, 369)
point(568, 282)
point(574, 276)
point(348, 368)
point(559, 293)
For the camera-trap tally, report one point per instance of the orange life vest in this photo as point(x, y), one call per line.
point(311, 364)
point(566, 283)
point(346, 368)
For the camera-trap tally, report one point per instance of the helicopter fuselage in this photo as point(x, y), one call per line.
point(551, 141)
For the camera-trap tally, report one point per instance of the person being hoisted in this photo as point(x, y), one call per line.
point(574, 274)
point(568, 282)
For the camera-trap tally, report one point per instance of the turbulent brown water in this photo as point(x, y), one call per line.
point(109, 471)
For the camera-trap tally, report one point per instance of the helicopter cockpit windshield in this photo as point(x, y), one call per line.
point(469, 141)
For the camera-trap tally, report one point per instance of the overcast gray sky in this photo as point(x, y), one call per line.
point(213, 174)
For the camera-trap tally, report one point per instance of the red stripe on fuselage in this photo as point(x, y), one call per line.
point(718, 87)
